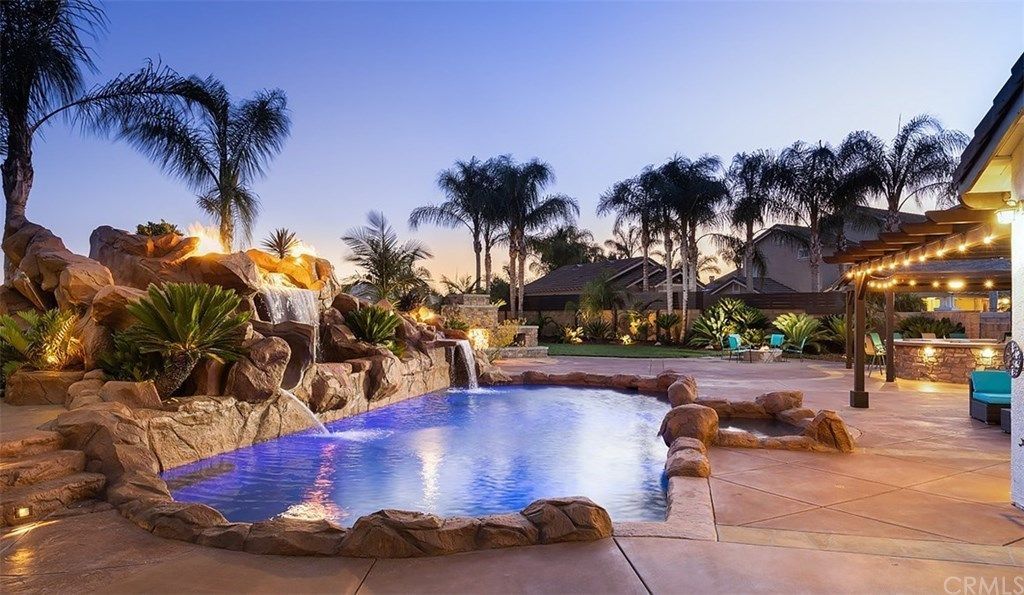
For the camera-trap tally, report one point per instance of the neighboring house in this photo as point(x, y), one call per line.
point(787, 257)
point(565, 284)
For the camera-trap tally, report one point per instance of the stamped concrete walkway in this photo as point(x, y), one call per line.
point(921, 507)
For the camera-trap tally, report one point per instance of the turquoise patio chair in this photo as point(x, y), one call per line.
point(897, 336)
point(735, 345)
point(879, 345)
point(776, 341)
point(989, 393)
point(795, 349)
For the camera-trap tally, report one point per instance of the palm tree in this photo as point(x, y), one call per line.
point(563, 245)
point(219, 148)
point(632, 201)
point(389, 267)
point(919, 162)
point(624, 243)
point(281, 242)
point(753, 189)
point(523, 210)
point(42, 58)
point(819, 186)
point(466, 186)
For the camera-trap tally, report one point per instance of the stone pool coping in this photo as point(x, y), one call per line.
point(116, 444)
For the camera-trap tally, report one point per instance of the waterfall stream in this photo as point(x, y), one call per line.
point(470, 361)
point(291, 304)
point(320, 427)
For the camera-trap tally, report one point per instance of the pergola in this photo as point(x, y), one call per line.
point(932, 256)
point(990, 184)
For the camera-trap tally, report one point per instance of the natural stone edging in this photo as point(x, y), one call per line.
point(116, 444)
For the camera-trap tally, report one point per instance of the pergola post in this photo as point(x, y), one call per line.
point(849, 329)
point(890, 327)
point(859, 396)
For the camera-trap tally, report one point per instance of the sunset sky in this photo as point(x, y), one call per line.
point(384, 95)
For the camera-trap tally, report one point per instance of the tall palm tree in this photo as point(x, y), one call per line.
point(389, 266)
point(919, 162)
point(625, 242)
point(466, 187)
point(753, 190)
point(819, 185)
point(562, 245)
point(43, 54)
point(523, 210)
point(217, 147)
point(632, 202)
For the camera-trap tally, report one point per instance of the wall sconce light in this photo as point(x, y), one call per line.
point(23, 512)
point(1011, 213)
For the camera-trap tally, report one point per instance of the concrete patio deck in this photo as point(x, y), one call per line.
point(923, 506)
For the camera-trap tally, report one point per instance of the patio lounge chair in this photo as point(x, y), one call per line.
point(776, 341)
point(989, 392)
point(735, 346)
point(796, 349)
point(877, 357)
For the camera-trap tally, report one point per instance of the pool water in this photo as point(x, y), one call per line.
point(456, 453)
point(759, 427)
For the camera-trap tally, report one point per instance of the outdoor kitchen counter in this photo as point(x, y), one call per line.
point(945, 360)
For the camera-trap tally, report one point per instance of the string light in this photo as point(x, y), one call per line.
point(940, 252)
point(956, 284)
point(935, 283)
point(987, 240)
point(912, 282)
point(963, 247)
point(906, 261)
point(988, 283)
point(922, 258)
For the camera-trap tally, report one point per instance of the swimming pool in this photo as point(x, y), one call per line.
point(456, 453)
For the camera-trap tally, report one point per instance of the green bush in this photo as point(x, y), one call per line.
point(570, 334)
point(126, 361)
point(598, 329)
point(835, 331)
point(185, 322)
point(665, 323)
point(37, 341)
point(801, 329)
point(913, 326)
point(727, 316)
point(156, 229)
point(373, 324)
point(710, 329)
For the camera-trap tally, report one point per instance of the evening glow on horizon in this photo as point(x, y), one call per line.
point(385, 95)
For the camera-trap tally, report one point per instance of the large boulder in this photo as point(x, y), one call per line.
point(331, 387)
point(234, 271)
point(286, 536)
point(779, 401)
point(47, 266)
point(682, 391)
point(402, 534)
point(136, 395)
point(568, 519)
point(302, 343)
point(40, 387)
point(383, 376)
point(109, 306)
point(829, 429)
point(258, 376)
point(692, 421)
point(136, 260)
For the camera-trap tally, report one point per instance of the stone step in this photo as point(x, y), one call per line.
point(26, 504)
point(39, 468)
point(28, 443)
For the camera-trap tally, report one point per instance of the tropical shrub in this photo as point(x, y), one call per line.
point(125, 360)
point(637, 323)
point(598, 329)
point(711, 328)
point(504, 334)
point(373, 324)
point(665, 323)
point(281, 242)
point(835, 333)
point(801, 329)
point(411, 300)
point(573, 335)
point(727, 316)
point(913, 326)
point(156, 229)
point(37, 341)
point(755, 337)
point(184, 323)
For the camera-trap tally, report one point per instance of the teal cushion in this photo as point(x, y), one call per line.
point(992, 398)
point(991, 381)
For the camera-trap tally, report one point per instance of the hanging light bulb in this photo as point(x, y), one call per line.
point(912, 282)
point(989, 284)
point(935, 283)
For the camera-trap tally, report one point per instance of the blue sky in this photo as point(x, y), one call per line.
point(384, 95)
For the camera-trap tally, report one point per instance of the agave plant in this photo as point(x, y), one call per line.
point(37, 341)
point(913, 326)
point(572, 335)
point(185, 322)
point(666, 322)
point(281, 242)
point(373, 324)
point(801, 329)
point(597, 329)
point(710, 328)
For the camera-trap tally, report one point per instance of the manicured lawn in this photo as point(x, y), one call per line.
point(614, 350)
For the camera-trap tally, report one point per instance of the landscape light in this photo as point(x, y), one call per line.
point(23, 512)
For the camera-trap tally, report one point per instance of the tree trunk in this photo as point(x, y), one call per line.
point(477, 248)
point(487, 268)
point(177, 369)
point(688, 272)
point(668, 269)
point(521, 276)
point(17, 181)
point(645, 239)
point(513, 255)
point(748, 258)
point(227, 231)
point(815, 258)
point(892, 216)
